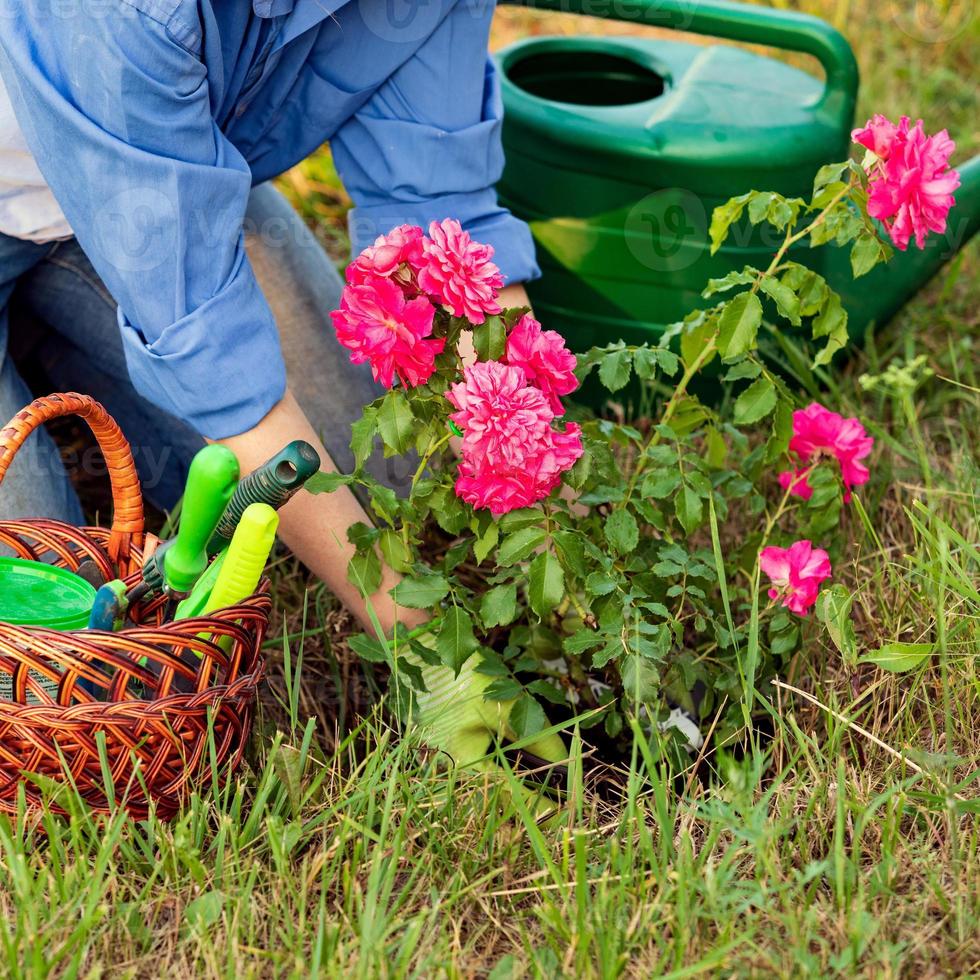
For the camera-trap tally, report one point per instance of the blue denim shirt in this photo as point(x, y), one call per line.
point(152, 119)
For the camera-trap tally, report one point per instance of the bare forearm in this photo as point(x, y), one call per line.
point(515, 295)
point(315, 527)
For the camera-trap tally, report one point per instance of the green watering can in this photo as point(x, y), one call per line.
point(618, 149)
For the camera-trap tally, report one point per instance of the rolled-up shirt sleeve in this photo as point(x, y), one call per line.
point(117, 114)
point(426, 146)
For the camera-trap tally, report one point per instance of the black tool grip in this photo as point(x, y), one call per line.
point(273, 483)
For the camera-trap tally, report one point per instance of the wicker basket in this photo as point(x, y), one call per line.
point(168, 704)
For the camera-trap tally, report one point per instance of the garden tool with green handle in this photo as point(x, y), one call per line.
point(274, 483)
point(176, 565)
point(235, 574)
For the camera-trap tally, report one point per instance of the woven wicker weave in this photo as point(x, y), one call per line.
point(168, 704)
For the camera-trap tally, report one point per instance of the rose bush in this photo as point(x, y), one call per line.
point(604, 567)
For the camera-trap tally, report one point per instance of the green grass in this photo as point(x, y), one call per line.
point(850, 848)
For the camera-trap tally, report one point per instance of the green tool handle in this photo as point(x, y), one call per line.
point(246, 558)
point(194, 604)
point(784, 29)
point(244, 561)
point(211, 483)
point(274, 483)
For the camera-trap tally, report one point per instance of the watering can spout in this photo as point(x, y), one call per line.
point(875, 298)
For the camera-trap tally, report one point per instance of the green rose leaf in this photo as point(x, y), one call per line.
point(503, 689)
point(456, 642)
point(584, 639)
point(739, 325)
point(669, 362)
point(831, 323)
point(517, 546)
point(833, 609)
point(745, 277)
point(645, 363)
point(785, 299)
point(622, 532)
point(641, 678)
point(515, 520)
point(782, 210)
point(759, 205)
point(395, 552)
point(694, 341)
point(363, 432)
point(615, 369)
point(499, 605)
point(370, 649)
point(830, 173)
point(743, 370)
point(364, 571)
point(784, 643)
point(486, 542)
point(689, 508)
point(550, 692)
point(716, 448)
point(326, 482)
point(396, 423)
point(756, 402)
point(866, 252)
point(600, 583)
point(546, 584)
point(490, 338)
point(723, 217)
point(572, 549)
point(421, 592)
point(660, 483)
point(527, 717)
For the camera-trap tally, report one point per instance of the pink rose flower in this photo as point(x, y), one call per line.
point(402, 246)
point(544, 358)
point(458, 272)
point(910, 187)
point(511, 455)
point(378, 324)
point(505, 488)
point(796, 573)
point(503, 419)
point(879, 134)
point(818, 432)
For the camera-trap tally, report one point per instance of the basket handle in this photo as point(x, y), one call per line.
point(127, 498)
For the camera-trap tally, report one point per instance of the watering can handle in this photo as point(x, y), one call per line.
point(739, 22)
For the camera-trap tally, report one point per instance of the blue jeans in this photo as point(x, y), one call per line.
point(61, 320)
